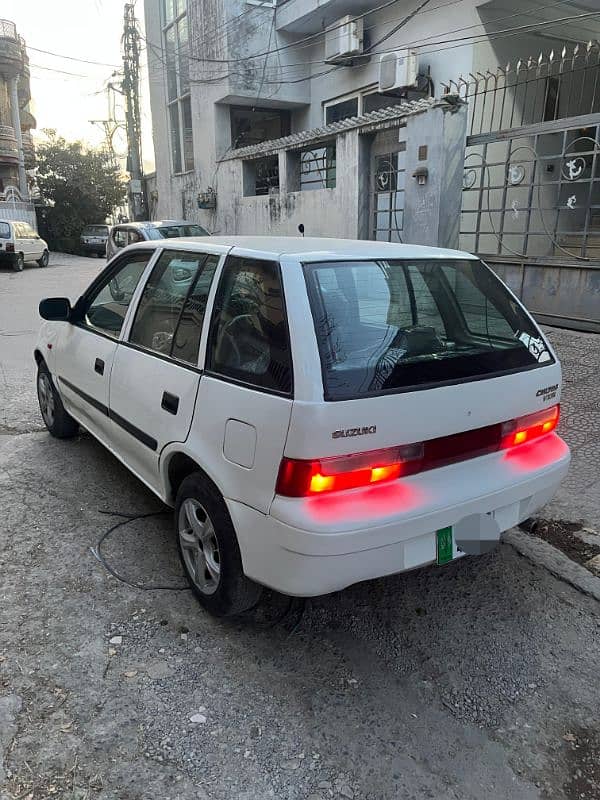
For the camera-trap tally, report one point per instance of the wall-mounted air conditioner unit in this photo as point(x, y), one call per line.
point(397, 70)
point(343, 40)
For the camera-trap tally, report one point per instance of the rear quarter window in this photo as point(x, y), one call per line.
point(389, 326)
point(249, 340)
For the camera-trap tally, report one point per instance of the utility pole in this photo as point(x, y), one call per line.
point(131, 92)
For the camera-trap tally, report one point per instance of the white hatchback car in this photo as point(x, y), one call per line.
point(19, 243)
point(318, 411)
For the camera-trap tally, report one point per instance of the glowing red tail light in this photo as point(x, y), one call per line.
point(532, 426)
point(302, 478)
point(299, 478)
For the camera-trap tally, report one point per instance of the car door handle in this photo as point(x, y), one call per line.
point(99, 366)
point(170, 403)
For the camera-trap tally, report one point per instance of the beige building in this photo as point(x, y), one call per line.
point(16, 120)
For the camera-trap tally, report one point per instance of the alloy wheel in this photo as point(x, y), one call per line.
point(199, 546)
point(46, 398)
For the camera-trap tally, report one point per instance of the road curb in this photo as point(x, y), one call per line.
point(546, 555)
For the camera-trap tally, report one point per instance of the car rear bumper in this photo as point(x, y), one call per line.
point(305, 548)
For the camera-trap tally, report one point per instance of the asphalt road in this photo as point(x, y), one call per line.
point(471, 681)
point(20, 294)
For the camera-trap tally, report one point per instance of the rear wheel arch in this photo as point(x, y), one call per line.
point(39, 358)
point(178, 467)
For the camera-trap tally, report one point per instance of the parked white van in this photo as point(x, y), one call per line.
point(19, 243)
point(317, 411)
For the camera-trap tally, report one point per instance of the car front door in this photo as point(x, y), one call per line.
point(155, 376)
point(86, 347)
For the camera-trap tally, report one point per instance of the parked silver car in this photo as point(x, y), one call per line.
point(93, 239)
point(133, 232)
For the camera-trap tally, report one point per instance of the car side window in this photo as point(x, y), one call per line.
point(120, 237)
point(171, 309)
point(133, 236)
point(249, 334)
point(106, 309)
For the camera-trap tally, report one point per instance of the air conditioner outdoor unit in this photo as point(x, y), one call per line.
point(397, 70)
point(343, 39)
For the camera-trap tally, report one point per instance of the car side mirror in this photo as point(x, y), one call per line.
point(56, 309)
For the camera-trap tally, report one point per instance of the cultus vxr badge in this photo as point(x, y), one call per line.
point(343, 434)
point(548, 393)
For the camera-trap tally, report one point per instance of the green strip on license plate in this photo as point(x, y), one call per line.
point(444, 545)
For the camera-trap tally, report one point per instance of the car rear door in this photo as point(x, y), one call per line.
point(36, 243)
point(22, 243)
point(155, 376)
point(85, 348)
point(245, 396)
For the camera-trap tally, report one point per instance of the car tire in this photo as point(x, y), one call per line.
point(58, 421)
point(19, 262)
point(209, 550)
point(43, 261)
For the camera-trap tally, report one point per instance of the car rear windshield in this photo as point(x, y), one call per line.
point(4, 230)
point(95, 230)
point(176, 231)
point(388, 326)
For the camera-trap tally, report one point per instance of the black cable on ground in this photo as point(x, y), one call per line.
point(126, 520)
point(285, 617)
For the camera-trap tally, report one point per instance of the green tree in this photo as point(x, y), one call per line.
point(79, 185)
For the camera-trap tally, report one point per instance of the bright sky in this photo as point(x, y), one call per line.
point(82, 29)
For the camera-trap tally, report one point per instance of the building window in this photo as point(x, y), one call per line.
point(254, 125)
point(176, 45)
point(369, 99)
point(261, 176)
point(317, 167)
point(342, 109)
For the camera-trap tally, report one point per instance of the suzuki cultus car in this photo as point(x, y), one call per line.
point(318, 412)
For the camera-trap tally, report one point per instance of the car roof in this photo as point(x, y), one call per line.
point(156, 223)
point(313, 249)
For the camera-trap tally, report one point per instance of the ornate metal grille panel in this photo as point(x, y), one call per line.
point(389, 171)
point(317, 167)
point(531, 187)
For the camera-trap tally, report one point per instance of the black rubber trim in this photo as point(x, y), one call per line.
point(88, 398)
point(142, 437)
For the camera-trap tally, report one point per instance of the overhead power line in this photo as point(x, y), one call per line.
point(309, 41)
point(435, 47)
point(72, 58)
point(61, 71)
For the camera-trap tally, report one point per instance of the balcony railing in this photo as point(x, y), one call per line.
point(8, 30)
point(11, 55)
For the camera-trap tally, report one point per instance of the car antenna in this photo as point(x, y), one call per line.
point(301, 229)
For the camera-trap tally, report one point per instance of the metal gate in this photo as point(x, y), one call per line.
point(388, 171)
point(531, 187)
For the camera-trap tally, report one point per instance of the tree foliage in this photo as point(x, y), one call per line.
point(79, 185)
